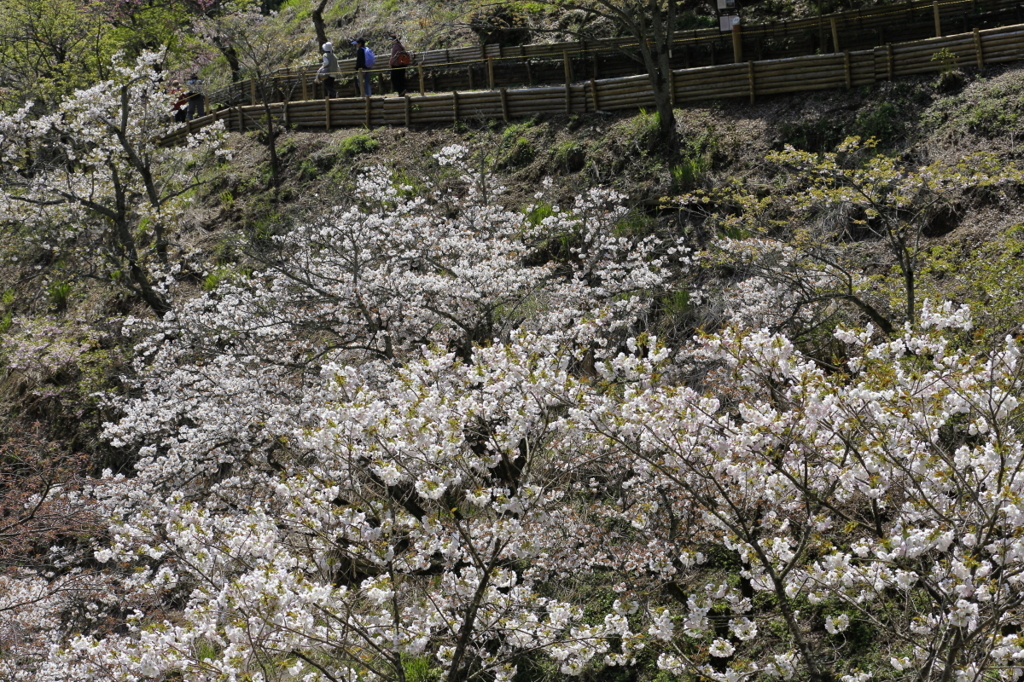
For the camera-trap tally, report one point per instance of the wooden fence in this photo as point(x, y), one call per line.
point(494, 66)
point(747, 80)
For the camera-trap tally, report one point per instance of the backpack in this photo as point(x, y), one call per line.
point(371, 58)
point(403, 58)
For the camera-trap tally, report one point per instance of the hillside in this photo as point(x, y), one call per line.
point(516, 401)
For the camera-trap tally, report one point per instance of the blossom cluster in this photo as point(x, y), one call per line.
point(92, 185)
point(416, 435)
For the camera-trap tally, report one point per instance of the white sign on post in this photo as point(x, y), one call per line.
point(727, 23)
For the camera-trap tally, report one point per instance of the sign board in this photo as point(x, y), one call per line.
point(727, 23)
point(726, 5)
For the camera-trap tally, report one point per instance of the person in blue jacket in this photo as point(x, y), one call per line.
point(364, 61)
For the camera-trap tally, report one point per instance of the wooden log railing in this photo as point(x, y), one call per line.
point(748, 80)
point(493, 66)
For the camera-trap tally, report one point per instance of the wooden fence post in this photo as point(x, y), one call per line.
point(303, 77)
point(504, 104)
point(593, 93)
point(327, 113)
point(568, 67)
point(368, 101)
point(890, 65)
point(408, 111)
point(938, 22)
point(252, 91)
point(846, 68)
point(835, 36)
point(490, 73)
point(737, 43)
point(978, 50)
point(529, 73)
point(423, 77)
point(455, 104)
point(750, 77)
point(241, 121)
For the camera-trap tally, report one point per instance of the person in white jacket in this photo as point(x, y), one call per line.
point(329, 70)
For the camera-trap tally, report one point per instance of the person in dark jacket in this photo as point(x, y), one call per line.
point(196, 99)
point(400, 59)
point(362, 66)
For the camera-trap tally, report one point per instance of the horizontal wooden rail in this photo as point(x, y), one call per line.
point(468, 68)
point(749, 80)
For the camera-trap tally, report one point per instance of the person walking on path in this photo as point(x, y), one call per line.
point(329, 70)
point(179, 108)
point(364, 61)
point(400, 59)
point(196, 99)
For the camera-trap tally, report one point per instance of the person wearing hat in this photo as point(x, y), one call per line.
point(363, 64)
point(328, 70)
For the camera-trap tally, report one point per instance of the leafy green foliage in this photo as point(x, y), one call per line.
point(986, 274)
point(58, 293)
point(539, 212)
point(49, 48)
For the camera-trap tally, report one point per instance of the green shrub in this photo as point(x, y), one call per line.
point(539, 212)
point(356, 145)
point(884, 121)
point(690, 172)
point(514, 131)
point(946, 59)
point(988, 108)
point(635, 223)
point(643, 131)
point(569, 157)
point(419, 669)
point(520, 153)
point(58, 294)
point(224, 274)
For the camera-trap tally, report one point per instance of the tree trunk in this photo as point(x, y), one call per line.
point(231, 56)
point(138, 278)
point(317, 14)
point(659, 68)
point(275, 165)
point(908, 284)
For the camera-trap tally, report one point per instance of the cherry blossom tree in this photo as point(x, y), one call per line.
point(371, 468)
point(880, 496)
point(407, 441)
point(91, 183)
point(797, 249)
